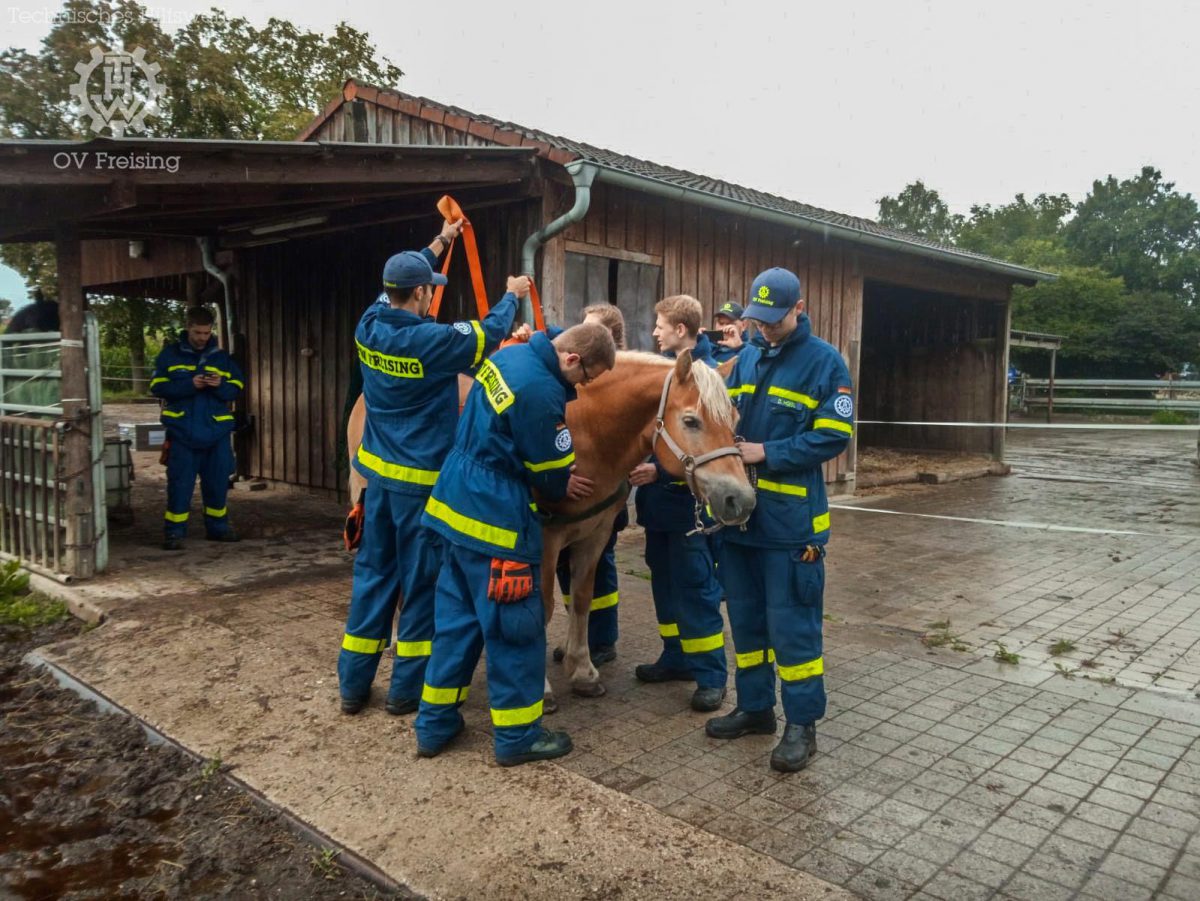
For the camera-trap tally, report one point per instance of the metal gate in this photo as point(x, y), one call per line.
point(33, 477)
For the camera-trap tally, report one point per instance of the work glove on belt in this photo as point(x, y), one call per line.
point(510, 581)
point(352, 531)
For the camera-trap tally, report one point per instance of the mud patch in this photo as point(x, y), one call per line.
point(89, 809)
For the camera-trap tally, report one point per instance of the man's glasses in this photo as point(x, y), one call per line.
point(586, 378)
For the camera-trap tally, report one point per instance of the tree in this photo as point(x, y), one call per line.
point(6, 307)
point(126, 321)
point(919, 210)
point(1029, 233)
point(1141, 229)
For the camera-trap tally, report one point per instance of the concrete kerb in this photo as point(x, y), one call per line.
point(80, 606)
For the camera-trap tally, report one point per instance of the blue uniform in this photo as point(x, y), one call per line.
point(796, 399)
point(606, 595)
point(687, 596)
point(512, 438)
point(198, 422)
point(410, 370)
point(721, 352)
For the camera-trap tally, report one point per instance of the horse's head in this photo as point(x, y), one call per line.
point(698, 419)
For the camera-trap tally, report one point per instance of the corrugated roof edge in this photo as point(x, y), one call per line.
point(807, 216)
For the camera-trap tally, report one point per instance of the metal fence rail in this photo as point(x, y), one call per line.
point(32, 528)
point(1092, 394)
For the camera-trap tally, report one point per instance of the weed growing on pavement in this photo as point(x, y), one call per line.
point(211, 767)
point(1004, 655)
point(325, 863)
point(20, 607)
point(940, 636)
point(1062, 646)
point(1063, 671)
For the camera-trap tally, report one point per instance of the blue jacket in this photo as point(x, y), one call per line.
point(721, 353)
point(410, 370)
point(796, 400)
point(512, 438)
point(197, 417)
point(667, 504)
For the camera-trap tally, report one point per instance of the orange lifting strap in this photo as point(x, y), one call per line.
point(452, 212)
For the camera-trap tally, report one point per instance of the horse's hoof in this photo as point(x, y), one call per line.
point(588, 689)
point(549, 705)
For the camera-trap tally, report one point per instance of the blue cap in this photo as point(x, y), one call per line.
point(730, 308)
point(410, 270)
point(773, 295)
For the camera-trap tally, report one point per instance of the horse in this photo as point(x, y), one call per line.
point(677, 409)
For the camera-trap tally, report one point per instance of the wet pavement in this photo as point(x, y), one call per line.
point(943, 772)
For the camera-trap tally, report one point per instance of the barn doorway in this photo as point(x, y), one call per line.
point(633, 287)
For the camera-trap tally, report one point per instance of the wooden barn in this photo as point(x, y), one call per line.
point(292, 253)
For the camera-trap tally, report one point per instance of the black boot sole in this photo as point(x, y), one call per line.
point(782, 766)
point(533, 756)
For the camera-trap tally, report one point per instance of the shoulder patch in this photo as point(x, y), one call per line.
point(499, 395)
point(463, 327)
point(843, 406)
point(845, 389)
point(562, 441)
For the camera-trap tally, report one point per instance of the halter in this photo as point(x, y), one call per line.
point(690, 463)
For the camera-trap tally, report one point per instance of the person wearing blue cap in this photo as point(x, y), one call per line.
point(796, 406)
point(410, 365)
point(727, 319)
point(512, 439)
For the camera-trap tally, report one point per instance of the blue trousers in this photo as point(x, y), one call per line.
point(775, 603)
point(397, 559)
point(687, 603)
point(515, 637)
point(602, 620)
point(214, 466)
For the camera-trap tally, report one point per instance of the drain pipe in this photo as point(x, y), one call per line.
point(582, 175)
point(210, 266)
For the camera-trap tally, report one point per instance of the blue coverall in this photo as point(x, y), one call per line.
point(797, 400)
point(602, 618)
point(198, 423)
point(722, 352)
point(687, 596)
point(512, 438)
point(410, 370)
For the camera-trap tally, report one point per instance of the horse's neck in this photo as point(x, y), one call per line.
point(617, 415)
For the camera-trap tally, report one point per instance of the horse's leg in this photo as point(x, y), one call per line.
point(585, 554)
point(551, 545)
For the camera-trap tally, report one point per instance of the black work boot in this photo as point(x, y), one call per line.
point(660, 672)
point(172, 544)
point(401, 706)
point(229, 537)
point(798, 744)
point(435, 750)
point(740, 722)
point(351, 706)
point(706, 700)
point(548, 746)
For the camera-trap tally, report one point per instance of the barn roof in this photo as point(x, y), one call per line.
point(566, 150)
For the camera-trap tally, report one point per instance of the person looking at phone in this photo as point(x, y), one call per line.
point(728, 337)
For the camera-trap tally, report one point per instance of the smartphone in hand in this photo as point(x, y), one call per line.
point(714, 334)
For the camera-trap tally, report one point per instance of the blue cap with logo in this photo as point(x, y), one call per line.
point(410, 270)
point(773, 295)
point(730, 308)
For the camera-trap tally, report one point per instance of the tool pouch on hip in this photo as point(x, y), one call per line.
point(510, 581)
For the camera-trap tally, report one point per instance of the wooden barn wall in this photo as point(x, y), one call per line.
point(930, 357)
point(298, 305)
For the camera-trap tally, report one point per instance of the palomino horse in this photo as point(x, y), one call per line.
point(678, 410)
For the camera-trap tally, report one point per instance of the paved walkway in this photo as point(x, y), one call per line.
point(943, 773)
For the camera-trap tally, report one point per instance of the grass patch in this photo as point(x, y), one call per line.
point(211, 767)
point(325, 863)
point(940, 636)
point(1063, 671)
point(1170, 417)
point(1004, 655)
point(1062, 646)
point(22, 608)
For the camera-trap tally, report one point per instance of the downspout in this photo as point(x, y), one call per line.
point(582, 175)
point(211, 267)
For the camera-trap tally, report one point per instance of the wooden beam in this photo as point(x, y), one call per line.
point(613, 253)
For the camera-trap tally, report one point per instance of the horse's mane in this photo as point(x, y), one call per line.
point(714, 397)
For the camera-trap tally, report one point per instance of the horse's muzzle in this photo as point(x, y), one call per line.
point(731, 501)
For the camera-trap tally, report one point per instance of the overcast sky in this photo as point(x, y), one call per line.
point(835, 105)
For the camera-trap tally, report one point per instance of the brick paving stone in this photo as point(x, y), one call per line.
point(1146, 851)
point(1029, 888)
point(735, 827)
point(929, 847)
point(879, 886)
point(1116, 800)
point(1109, 888)
point(1131, 870)
point(692, 810)
point(905, 867)
point(953, 887)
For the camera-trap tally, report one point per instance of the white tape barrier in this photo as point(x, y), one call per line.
point(1115, 426)
point(1039, 526)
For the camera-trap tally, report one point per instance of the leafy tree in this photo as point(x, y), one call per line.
point(126, 321)
point(6, 307)
point(1141, 229)
point(1029, 233)
point(920, 211)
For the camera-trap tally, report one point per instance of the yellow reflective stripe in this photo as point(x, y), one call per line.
point(218, 371)
point(821, 523)
point(517, 716)
point(551, 464)
point(183, 366)
point(213, 511)
point(362, 645)
point(668, 630)
point(224, 417)
point(235, 382)
point(400, 367)
point(799, 398)
point(395, 470)
point(498, 394)
point(781, 488)
point(741, 389)
point(605, 601)
point(479, 341)
point(431, 695)
point(700, 645)
point(173, 414)
point(755, 658)
point(490, 534)
point(802, 670)
point(176, 517)
point(161, 378)
point(835, 424)
point(414, 648)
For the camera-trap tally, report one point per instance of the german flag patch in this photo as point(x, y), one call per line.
point(843, 389)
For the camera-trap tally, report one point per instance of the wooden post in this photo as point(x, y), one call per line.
point(80, 557)
point(1003, 352)
point(1050, 387)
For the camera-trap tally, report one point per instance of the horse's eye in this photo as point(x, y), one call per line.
point(691, 421)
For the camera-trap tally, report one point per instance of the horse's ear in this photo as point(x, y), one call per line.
point(683, 367)
point(725, 368)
